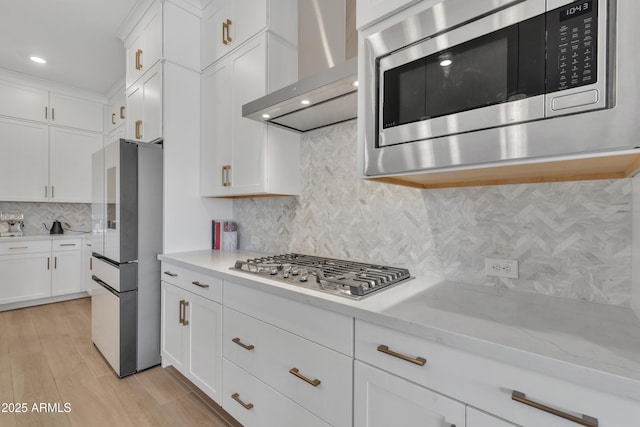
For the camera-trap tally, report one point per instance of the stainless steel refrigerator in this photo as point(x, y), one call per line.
point(127, 225)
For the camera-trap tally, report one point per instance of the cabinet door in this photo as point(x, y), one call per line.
point(204, 319)
point(173, 337)
point(144, 104)
point(216, 134)
point(87, 265)
point(76, 113)
point(248, 74)
point(476, 418)
point(214, 35)
point(24, 175)
point(382, 400)
point(369, 11)
point(25, 277)
point(116, 113)
point(70, 164)
point(66, 276)
point(249, 18)
point(23, 102)
point(144, 46)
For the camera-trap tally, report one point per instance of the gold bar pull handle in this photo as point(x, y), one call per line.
point(48, 263)
point(185, 322)
point(224, 36)
point(45, 112)
point(296, 372)
point(229, 39)
point(227, 174)
point(241, 344)
point(113, 118)
point(55, 262)
point(139, 59)
point(138, 129)
point(236, 397)
point(91, 264)
point(53, 114)
point(168, 273)
point(18, 247)
point(585, 420)
point(415, 360)
point(122, 112)
point(181, 312)
point(199, 284)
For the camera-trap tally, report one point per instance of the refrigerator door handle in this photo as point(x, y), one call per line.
point(104, 285)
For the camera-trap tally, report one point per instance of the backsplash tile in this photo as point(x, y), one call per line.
point(78, 215)
point(572, 239)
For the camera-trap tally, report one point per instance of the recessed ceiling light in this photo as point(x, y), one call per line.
point(305, 102)
point(38, 60)
point(446, 62)
point(265, 116)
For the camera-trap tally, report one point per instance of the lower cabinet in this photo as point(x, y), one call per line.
point(477, 418)
point(66, 267)
point(382, 399)
point(24, 277)
point(191, 338)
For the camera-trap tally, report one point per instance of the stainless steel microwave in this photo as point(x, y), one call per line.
point(468, 82)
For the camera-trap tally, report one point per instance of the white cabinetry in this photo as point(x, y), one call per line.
point(23, 102)
point(75, 112)
point(87, 265)
point(263, 338)
point(476, 418)
point(24, 175)
point(70, 154)
point(144, 46)
point(382, 400)
point(241, 157)
point(227, 24)
point(144, 107)
point(67, 267)
point(485, 383)
point(191, 331)
point(116, 111)
point(369, 11)
point(25, 270)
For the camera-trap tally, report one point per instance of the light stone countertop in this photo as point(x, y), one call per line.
point(32, 237)
point(594, 345)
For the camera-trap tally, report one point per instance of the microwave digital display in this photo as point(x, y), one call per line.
point(576, 10)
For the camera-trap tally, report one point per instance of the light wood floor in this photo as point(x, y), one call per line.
point(46, 356)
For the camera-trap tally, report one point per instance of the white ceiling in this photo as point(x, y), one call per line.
point(76, 37)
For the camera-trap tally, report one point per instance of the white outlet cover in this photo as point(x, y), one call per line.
point(498, 267)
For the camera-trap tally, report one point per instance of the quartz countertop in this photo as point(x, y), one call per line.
point(594, 345)
point(32, 237)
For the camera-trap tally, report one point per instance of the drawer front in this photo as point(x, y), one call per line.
point(67, 245)
point(330, 329)
point(24, 247)
point(201, 284)
point(255, 404)
point(488, 384)
point(317, 378)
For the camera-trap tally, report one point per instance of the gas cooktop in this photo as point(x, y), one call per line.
point(339, 277)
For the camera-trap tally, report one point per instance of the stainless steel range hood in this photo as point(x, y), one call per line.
point(326, 36)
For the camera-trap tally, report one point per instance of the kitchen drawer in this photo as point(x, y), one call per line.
point(67, 245)
point(24, 247)
point(122, 278)
point(258, 405)
point(488, 384)
point(201, 284)
point(325, 327)
point(275, 353)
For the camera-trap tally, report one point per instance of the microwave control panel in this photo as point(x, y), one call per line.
point(572, 35)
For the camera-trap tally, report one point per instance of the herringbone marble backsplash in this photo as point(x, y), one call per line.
point(572, 239)
point(78, 215)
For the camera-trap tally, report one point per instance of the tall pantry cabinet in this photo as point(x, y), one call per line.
point(248, 48)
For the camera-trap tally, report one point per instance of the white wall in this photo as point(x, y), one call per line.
point(635, 257)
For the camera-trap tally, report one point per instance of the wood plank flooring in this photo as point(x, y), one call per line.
point(47, 357)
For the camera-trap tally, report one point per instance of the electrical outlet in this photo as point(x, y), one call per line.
point(501, 267)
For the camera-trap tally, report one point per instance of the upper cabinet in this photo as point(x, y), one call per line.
point(75, 112)
point(24, 102)
point(240, 157)
point(144, 45)
point(144, 101)
point(227, 24)
point(116, 113)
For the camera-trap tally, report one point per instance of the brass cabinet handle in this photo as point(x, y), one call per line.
point(236, 397)
point(168, 273)
point(417, 360)
point(45, 112)
point(68, 244)
point(48, 263)
point(226, 170)
point(138, 129)
point(296, 372)
point(45, 191)
point(585, 420)
point(185, 322)
point(53, 113)
point(226, 39)
point(90, 263)
point(241, 344)
point(113, 118)
point(139, 59)
point(122, 112)
point(55, 262)
point(202, 285)
point(53, 192)
point(18, 247)
point(181, 312)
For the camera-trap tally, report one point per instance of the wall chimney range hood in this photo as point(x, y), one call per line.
point(326, 97)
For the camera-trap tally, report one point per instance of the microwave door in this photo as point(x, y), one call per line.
point(484, 74)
